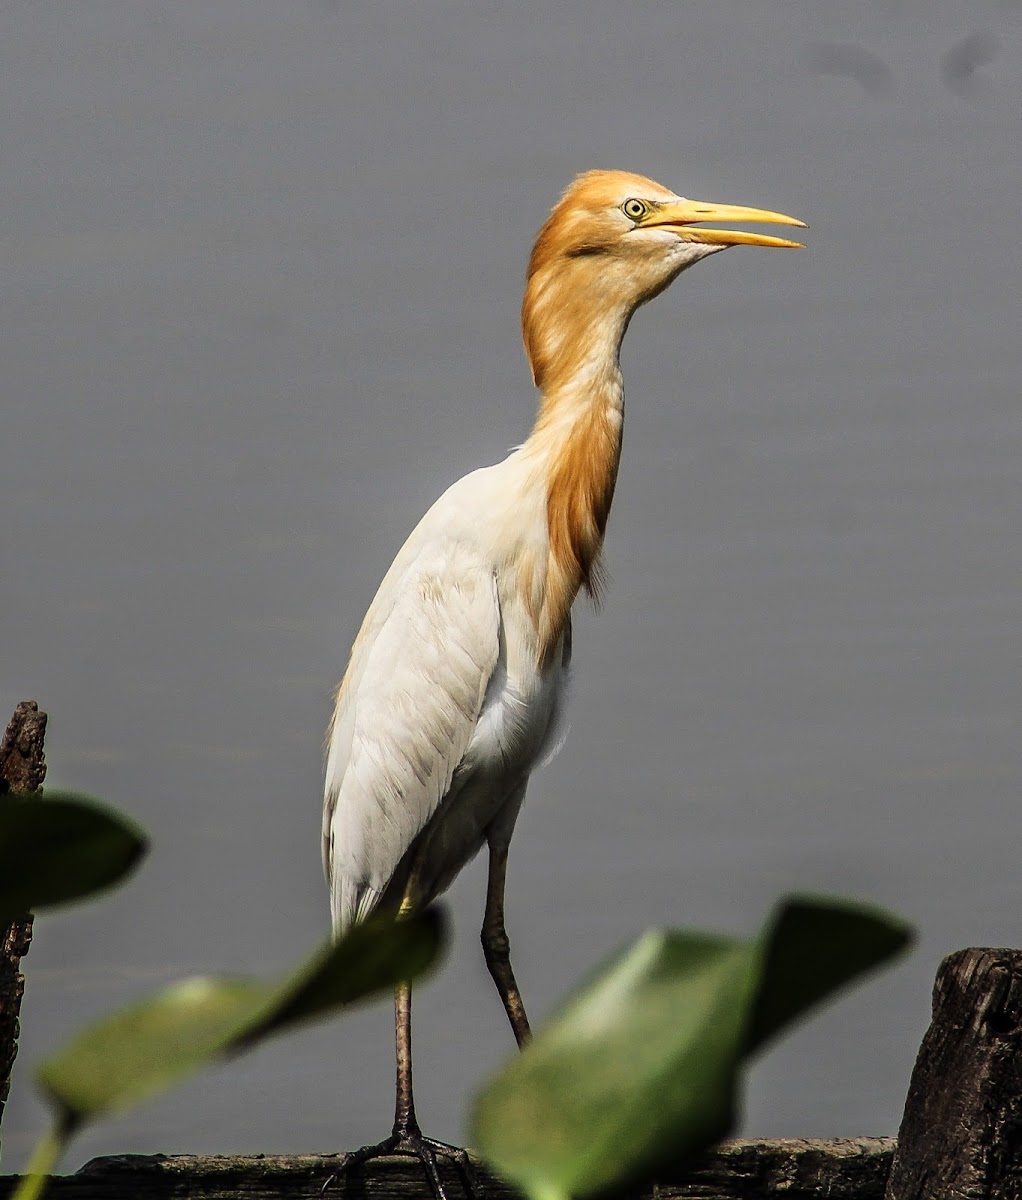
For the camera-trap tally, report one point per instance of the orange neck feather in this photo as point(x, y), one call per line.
point(580, 442)
point(573, 329)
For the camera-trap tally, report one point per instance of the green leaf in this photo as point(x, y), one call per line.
point(61, 847)
point(143, 1049)
point(813, 947)
point(641, 1067)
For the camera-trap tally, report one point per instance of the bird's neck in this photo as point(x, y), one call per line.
point(576, 445)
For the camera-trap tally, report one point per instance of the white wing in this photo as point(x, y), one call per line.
point(405, 714)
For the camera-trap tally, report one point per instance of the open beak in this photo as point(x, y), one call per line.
point(681, 216)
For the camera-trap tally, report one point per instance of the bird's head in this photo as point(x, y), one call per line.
point(613, 241)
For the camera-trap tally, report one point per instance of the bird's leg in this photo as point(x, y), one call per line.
point(407, 1138)
point(497, 948)
point(404, 1102)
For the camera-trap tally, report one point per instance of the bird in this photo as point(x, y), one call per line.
point(454, 689)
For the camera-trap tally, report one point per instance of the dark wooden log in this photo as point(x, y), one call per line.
point(788, 1169)
point(22, 769)
point(961, 1135)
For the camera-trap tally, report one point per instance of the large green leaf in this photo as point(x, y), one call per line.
point(641, 1067)
point(61, 847)
point(146, 1048)
point(812, 947)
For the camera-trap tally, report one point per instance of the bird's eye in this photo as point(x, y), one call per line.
point(635, 210)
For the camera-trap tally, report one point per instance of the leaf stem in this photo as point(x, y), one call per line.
point(43, 1160)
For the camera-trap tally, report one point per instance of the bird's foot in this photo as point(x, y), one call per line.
point(412, 1143)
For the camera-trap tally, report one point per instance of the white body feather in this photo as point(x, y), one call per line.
point(444, 709)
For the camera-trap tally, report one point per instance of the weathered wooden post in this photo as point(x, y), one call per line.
point(22, 769)
point(961, 1136)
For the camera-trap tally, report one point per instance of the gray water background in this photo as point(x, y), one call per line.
point(261, 269)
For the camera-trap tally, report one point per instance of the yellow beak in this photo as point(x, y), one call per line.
point(680, 216)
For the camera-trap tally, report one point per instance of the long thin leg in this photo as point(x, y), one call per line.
point(404, 1104)
point(407, 1138)
point(497, 948)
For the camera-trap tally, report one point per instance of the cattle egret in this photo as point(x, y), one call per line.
point(453, 690)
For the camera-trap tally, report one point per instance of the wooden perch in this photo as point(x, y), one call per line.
point(961, 1136)
point(788, 1169)
point(22, 769)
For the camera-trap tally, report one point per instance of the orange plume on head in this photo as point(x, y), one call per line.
point(576, 275)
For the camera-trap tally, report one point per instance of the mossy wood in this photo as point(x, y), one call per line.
point(789, 1168)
